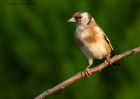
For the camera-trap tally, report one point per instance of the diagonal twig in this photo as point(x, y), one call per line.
point(81, 74)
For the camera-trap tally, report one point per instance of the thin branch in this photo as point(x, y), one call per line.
point(81, 74)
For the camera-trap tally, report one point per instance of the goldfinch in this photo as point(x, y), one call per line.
point(90, 37)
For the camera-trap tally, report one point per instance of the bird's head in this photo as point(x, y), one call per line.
point(81, 18)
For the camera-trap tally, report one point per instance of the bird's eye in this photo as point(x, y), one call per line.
point(78, 17)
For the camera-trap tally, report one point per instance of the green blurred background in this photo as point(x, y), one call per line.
point(37, 49)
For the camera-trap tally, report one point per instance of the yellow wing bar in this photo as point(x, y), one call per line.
point(108, 41)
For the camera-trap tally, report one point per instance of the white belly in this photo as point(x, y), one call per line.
point(94, 50)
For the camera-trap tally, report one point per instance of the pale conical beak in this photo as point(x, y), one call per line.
point(71, 20)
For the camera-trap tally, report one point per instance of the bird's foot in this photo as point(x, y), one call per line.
point(107, 61)
point(86, 71)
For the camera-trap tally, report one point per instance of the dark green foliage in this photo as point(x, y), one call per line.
point(37, 49)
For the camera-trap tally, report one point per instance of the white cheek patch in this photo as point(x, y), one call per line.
point(84, 21)
point(85, 18)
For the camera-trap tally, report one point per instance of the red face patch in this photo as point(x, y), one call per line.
point(77, 17)
point(77, 14)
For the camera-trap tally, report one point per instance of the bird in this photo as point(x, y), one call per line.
point(91, 39)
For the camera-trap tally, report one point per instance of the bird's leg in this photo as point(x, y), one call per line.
point(107, 61)
point(90, 62)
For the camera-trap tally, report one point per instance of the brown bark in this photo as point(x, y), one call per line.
point(81, 74)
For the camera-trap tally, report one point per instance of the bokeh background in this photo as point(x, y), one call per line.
point(38, 51)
